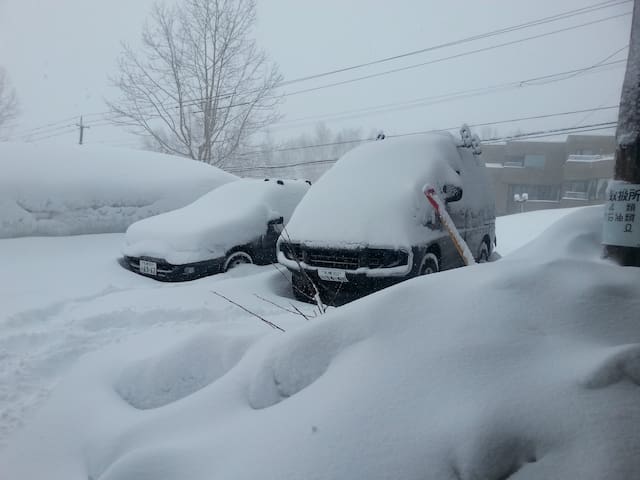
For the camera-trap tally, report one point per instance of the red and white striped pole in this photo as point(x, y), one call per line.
point(441, 211)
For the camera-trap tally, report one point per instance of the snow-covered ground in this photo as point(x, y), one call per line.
point(70, 190)
point(68, 296)
point(514, 231)
point(527, 364)
point(62, 297)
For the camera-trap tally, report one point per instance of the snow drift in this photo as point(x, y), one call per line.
point(524, 368)
point(55, 190)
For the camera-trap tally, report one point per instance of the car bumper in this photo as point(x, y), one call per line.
point(338, 293)
point(167, 272)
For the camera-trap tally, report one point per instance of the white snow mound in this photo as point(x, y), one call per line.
point(526, 368)
point(70, 190)
point(154, 382)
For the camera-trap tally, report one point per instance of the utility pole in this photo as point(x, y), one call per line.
point(621, 230)
point(82, 127)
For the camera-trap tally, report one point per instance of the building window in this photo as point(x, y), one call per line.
point(594, 189)
point(534, 161)
point(536, 192)
point(601, 191)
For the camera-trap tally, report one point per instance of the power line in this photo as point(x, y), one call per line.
point(434, 99)
point(452, 96)
point(46, 126)
point(462, 54)
point(47, 131)
point(66, 132)
point(463, 94)
point(451, 57)
point(509, 29)
point(60, 131)
point(286, 165)
point(555, 132)
point(511, 120)
point(528, 135)
point(422, 132)
point(596, 65)
point(501, 31)
point(542, 21)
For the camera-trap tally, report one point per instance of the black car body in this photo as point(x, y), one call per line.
point(376, 227)
point(237, 223)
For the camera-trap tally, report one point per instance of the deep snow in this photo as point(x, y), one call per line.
point(514, 231)
point(70, 190)
point(67, 296)
point(525, 367)
point(61, 297)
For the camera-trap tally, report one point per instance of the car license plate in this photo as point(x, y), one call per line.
point(147, 267)
point(332, 275)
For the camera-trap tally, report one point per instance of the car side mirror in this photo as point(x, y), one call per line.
point(276, 225)
point(452, 193)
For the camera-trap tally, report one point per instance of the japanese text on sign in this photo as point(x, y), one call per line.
point(621, 215)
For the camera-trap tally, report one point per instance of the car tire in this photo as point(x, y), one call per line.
point(429, 264)
point(236, 258)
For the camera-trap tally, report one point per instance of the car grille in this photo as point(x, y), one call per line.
point(343, 259)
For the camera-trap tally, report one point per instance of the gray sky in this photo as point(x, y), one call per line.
point(59, 54)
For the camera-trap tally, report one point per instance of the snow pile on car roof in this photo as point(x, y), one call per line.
point(68, 190)
point(374, 193)
point(522, 368)
point(232, 215)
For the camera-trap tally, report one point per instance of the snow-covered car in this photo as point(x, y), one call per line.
point(366, 224)
point(237, 223)
point(59, 190)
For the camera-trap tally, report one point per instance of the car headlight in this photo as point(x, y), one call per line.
point(394, 258)
point(291, 251)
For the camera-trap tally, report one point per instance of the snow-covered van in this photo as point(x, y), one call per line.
point(236, 223)
point(366, 224)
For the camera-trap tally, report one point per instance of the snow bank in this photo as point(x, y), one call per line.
point(56, 190)
point(522, 368)
point(516, 230)
point(154, 382)
point(68, 297)
point(361, 195)
point(232, 215)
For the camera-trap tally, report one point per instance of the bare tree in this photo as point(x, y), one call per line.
point(199, 86)
point(8, 100)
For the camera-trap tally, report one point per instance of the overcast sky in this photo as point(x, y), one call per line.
point(59, 54)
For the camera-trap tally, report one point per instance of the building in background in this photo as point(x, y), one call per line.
point(551, 174)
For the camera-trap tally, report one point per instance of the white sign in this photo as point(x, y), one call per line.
point(622, 215)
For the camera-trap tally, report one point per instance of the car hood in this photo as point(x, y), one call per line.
point(374, 195)
point(232, 215)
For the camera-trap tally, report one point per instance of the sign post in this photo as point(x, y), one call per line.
point(620, 233)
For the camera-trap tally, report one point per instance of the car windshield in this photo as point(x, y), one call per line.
point(286, 239)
